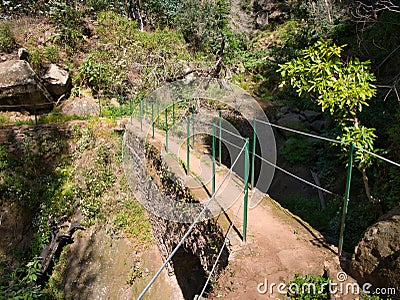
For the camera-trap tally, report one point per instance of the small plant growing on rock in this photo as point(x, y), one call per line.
point(7, 41)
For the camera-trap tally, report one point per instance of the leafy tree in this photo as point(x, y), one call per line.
point(342, 88)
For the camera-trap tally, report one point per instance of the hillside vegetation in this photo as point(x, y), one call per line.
point(126, 49)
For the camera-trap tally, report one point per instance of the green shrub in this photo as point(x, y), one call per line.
point(98, 5)
point(19, 282)
point(309, 209)
point(7, 40)
point(94, 74)
point(35, 60)
point(69, 22)
point(297, 150)
point(52, 53)
point(4, 157)
point(309, 287)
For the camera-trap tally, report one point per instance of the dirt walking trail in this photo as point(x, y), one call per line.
point(279, 244)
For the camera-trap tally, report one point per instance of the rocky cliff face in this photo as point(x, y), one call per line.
point(377, 256)
point(247, 16)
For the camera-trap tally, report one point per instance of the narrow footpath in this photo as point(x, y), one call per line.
point(279, 244)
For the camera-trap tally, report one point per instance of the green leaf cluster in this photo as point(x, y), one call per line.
point(309, 287)
point(19, 282)
point(68, 20)
point(7, 40)
point(342, 88)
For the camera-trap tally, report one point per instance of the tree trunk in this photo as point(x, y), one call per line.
point(134, 13)
point(366, 185)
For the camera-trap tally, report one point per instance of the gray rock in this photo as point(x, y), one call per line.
point(284, 110)
point(23, 54)
point(19, 85)
point(377, 256)
point(311, 115)
point(318, 125)
point(293, 121)
point(84, 106)
point(57, 81)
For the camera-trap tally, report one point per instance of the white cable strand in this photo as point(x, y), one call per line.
point(220, 252)
point(230, 143)
point(223, 129)
point(297, 177)
point(378, 156)
point(302, 133)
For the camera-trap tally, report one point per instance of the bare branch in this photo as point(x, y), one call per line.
point(364, 12)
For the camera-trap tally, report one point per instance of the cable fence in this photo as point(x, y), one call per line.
point(178, 120)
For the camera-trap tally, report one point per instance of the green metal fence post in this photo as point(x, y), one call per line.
point(213, 159)
point(158, 114)
point(34, 112)
point(188, 144)
point(173, 112)
point(220, 136)
point(346, 198)
point(152, 119)
point(130, 109)
point(253, 154)
point(193, 126)
point(246, 188)
point(141, 115)
point(166, 129)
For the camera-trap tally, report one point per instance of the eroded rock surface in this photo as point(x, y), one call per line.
point(377, 256)
point(20, 86)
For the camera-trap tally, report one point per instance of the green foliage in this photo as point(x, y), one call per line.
point(55, 116)
point(51, 52)
point(98, 5)
point(19, 282)
point(362, 137)
point(320, 74)
point(297, 150)
point(132, 221)
point(343, 89)
point(261, 57)
point(202, 23)
point(35, 60)
point(54, 288)
point(4, 158)
point(136, 272)
point(139, 61)
point(95, 75)
point(69, 22)
point(97, 179)
point(309, 287)
point(7, 40)
point(325, 17)
point(309, 209)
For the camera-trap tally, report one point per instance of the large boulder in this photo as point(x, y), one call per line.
point(80, 106)
point(377, 256)
point(293, 121)
point(57, 81)
point(20, 87)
